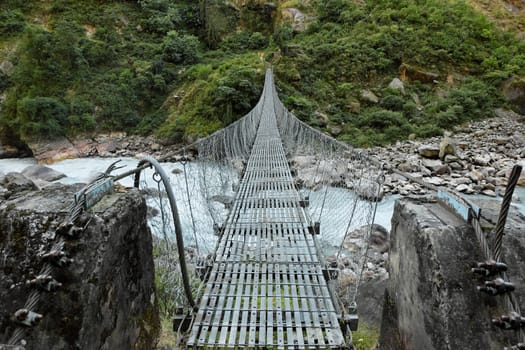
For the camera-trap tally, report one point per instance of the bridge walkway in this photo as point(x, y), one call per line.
point(266, 287)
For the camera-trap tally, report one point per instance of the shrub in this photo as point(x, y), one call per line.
point(11, 21)
point(5, 81)
point(242, 41)
point(330, 10)
point(81, 123)
point(179, 48)
point(163, 16)
point(41, 117)
point(381, 119)
point(393, 103)
point(282, 34)
point(151, 122)
point(237, 92)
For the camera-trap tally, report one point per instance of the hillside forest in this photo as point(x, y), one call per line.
point(181, 69)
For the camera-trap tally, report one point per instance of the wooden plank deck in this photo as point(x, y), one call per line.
point(266, 288)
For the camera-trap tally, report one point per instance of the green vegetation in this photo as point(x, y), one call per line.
point(182, 70)
point(353, 47)
point(366, 337)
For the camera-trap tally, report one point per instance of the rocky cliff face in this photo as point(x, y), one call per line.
point(102, 295)
point(431, 300)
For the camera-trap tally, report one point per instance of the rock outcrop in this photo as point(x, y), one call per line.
point(103, 145)
point(431, 300)
point(103, 294)
point(411, 73)
point(514, 91)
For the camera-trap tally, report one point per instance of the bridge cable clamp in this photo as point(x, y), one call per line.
point(496, 287)
point(489, 268)
point(26, 317)
point(512, 321)
point(44, 282)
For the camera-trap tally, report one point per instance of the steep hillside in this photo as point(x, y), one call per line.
point(182, 69)
point(507, 14)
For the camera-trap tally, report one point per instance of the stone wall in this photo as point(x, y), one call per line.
point(107, 295)
point(431, 300)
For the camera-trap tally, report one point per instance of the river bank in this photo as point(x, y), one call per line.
point(475, 158)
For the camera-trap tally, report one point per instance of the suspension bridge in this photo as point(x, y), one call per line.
point(266, 283)
point(267, 287)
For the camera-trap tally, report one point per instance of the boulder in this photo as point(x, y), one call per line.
point(370, 190)
point(456, 166)
point(461, 181)
point(302, 162)
point(482, 160)
point(369, 96)
point(489, 186)
point(369, 295)
point(464, 188)
point(447, 146)
point(7, 68)
point(397, 84)
point(334, 130)
point(475, 175)
point(7, 151)
point(16, 182)
point(354, 107)
point(41, 172)
point(321, 118)
point(296, 18)
point(378, 239)
point(442, 170)
point(449, 158)
point(488, 171)
point(500, 140)
point(53, 151)
point(224, 199)
point(429, 151)
point(432, 164)
point(489, 192)
point(407, 167)
point(106, 148)
point(436, 181)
